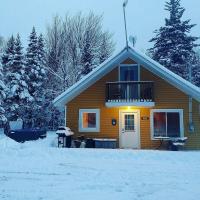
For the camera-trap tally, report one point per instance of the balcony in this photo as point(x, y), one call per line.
point(130, 93)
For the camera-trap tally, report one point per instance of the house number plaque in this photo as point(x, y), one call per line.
point(144, 118)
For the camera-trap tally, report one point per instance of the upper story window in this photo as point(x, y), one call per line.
point(129, 72)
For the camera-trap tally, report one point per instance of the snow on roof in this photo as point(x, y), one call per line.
point(111, 63)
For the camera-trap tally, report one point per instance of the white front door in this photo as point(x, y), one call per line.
point(129, 136)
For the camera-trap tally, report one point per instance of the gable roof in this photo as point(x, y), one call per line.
point(107, 66)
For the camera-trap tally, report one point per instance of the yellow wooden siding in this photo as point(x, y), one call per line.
point(169, 97)
point(166, 97)
point(94, 97)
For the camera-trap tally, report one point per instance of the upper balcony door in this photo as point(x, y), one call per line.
point(127, 73)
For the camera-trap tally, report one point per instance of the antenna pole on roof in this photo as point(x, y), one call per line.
point(124, 6)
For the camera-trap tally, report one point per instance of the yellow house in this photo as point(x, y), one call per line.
point(135, 100)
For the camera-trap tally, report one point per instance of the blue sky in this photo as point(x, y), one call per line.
point(143, 16)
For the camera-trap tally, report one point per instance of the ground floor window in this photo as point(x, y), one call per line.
point(89, 120)
point(167, 123)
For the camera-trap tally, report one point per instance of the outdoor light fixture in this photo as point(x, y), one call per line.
point(128, 107)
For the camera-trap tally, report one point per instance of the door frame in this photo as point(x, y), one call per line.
point(138, 125)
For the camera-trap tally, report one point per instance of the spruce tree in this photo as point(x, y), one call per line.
point(41, 50)
point(196, 69)
point(32, 62)
point(8, 55)
point(3, 118)
point(41, 94)
point(173, 44)
point(7, 64)
point(87, 55)
point(35, 74)
point(106, 47)
point(17, 89)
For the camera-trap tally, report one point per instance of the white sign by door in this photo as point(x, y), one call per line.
point(129, 130)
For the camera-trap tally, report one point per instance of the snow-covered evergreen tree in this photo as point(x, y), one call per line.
point(173, 44)
point(106, 47)
point(41, 94)
point(41, 50)
point(17, 89)
point(87, 55)
point(3, 118)
point(2, 45)
point(8, 54)
point(33, 71)
point(196, 69)
point(35, 77)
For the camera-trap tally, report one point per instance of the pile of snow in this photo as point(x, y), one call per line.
point(36, 170)
point(1, 131)
point(62, 130)
point(6, 142)
point(50, 141)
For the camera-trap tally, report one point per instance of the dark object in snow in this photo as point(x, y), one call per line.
point(90, 143)
point(174, 145)
point(77, 143)
point(81, 138)
point(105, 143)
point(64, 141)
point(22, 135)
point(64, 137)
point(171, 146)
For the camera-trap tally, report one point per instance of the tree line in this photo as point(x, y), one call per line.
point(30, 79)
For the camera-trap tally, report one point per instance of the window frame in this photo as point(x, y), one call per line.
point(180, 111)
point(128, 65)
point(80, 124)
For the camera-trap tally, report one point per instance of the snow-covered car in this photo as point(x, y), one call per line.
point(22, 135)
point(62, 130)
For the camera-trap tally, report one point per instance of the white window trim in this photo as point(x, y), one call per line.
point(97, 129)
point(180, 111)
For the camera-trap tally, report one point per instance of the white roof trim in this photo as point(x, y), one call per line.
point(113, 61)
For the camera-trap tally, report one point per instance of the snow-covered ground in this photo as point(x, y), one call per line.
point(39, 171)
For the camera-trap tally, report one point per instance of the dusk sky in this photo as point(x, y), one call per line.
point(143, 16)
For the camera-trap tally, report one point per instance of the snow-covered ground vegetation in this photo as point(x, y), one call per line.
point(38, 170)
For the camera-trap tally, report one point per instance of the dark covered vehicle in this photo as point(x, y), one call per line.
point(22, 135)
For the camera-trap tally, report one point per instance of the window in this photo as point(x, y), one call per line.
point(129, 73)
point(129, 122)
point(89, 120)
point(167, 123)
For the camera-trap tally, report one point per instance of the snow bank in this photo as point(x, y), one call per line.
point(6, 142)
point(35, 170)
point(50, 141)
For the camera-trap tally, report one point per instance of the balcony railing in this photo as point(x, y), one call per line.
point(129, 91)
